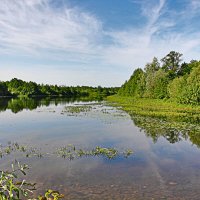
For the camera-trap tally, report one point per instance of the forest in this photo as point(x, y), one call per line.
point(168, 79)
point(20, 88)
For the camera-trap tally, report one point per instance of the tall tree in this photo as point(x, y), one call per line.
point(171, 63)
point(156, 86)
point(135, 86)
point(152, 67)
point(192, 89)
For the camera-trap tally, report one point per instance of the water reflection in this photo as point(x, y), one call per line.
point(164, 164)
point(172, 131)
point(154, 128)
point(19, 104)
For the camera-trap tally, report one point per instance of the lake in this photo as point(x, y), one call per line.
point(165, 163)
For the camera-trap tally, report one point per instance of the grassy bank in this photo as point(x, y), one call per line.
point(157, 108)
point(160, 118)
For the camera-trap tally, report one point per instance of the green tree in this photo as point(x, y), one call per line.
point(159, 85)
point(152, 67)
point(171, 63)
point(15, 86)
point(135, 86)
point(191, 92)
point(176, 88)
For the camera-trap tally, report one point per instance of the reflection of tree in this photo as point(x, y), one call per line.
point(3, 104)
point(171, 131)
point(195, 137)
point(18, 104)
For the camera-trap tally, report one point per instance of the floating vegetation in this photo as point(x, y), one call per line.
point(13, 189)
point(158, 118)
point(100, 111)
point(69, 152)
point(15, 147)
point(51, 195)
point(77, 109)
point(128, 152)
point(157, 108)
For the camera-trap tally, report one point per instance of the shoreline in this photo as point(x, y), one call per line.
point(157, 108)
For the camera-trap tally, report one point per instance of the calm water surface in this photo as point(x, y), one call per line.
point(157, 170)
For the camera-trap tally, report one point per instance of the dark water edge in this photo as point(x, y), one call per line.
point(165, 164)
point(18, 104)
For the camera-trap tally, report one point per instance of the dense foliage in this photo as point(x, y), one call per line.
point(169, 79)
point(17, 87)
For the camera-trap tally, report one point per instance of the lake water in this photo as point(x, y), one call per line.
point(165, 165)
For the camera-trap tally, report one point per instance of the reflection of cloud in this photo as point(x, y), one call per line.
point(112, 128)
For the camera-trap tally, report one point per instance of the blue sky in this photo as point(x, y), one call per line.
point(93, 42)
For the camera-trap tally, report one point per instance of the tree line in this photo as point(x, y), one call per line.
point(17, 87)
point(167, 79)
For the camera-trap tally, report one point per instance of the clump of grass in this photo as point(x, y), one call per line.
point(13, 189)
point(51, 195)
point(15, 147)
point(157, 108)
point(128, 152)
point(159, 118)
point(77, 109)
point(71, 152)
point(10, 187)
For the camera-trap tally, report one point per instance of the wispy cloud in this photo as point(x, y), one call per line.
point(32, 25)
point(160, 34)
point(42, 29)
point(195, 4)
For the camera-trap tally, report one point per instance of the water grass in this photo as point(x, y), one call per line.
point(69, 151)
point(13, 187)
point(77, 109)
point(161, 118)
point(164, 109)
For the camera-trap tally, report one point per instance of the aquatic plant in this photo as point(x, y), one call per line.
point(51, 195)
point(69, 151)
point(128, 152)
point(157, 108)
point(77, 108)
point(159, 118)
point(15, 147)
point(13, 189)
point(10, 187)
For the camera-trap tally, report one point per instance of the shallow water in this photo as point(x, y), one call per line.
point(158, 169)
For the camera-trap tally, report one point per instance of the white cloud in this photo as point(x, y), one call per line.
point(29, 26)
point(195, 4)
point(135, 47)
point(38, 29)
